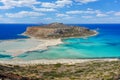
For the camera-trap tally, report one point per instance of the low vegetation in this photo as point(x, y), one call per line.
point(84, 71)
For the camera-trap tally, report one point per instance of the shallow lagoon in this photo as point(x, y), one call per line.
point(105, 45)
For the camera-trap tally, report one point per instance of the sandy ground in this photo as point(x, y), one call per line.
point(55, 61)
point(42, 45)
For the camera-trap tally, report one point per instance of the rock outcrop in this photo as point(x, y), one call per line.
point(58, 30)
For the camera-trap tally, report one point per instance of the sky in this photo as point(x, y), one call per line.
point(64, 11)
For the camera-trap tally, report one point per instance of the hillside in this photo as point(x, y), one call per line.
point(58, 30)
point(95, 70)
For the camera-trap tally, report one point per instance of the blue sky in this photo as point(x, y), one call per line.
point(65, 11)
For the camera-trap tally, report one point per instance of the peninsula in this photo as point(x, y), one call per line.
point(58, 30)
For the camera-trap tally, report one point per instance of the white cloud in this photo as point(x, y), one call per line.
point(117, 14)
point(86, 16)
point(68, 18)
point(74, 12)
point(51, 6)
point(62, 3)
point(85, 1)
point(62, 15)
point(83, 12)
point(101, 15)
point(110, 12)
point(7, 4)
point(57, 4)
point(48, 5)
point(24, 14)
point(89, 12)
point(48, 18)
point(44, 9)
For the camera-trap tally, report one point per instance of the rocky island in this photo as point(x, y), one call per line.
point(58, 30)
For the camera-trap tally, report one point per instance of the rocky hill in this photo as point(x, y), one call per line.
point(58, 30)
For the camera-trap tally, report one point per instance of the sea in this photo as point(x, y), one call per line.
point(106, 44)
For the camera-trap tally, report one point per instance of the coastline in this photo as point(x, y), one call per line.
point(42, 44)
point(84, 37)
point(45, 43)
point(55, 61)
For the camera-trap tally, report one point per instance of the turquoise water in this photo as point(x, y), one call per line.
point(104, 45)
point(77, 48)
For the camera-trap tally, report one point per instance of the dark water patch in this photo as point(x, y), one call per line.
point(36, 51)
point(112, 44)
point(31, 52)
point(2, 51)
point(68, 45)
point(21, 40)
point(79, 42)
point(23, 55)
point(5, 56)
point(85, 43)
point(11, 31)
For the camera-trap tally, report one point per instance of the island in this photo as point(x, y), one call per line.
point(58, 30)
point(50, 35)
point(41, 37)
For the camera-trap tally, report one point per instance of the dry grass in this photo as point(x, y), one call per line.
point(83, 71)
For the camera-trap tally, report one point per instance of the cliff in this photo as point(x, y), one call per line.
point(58, 30)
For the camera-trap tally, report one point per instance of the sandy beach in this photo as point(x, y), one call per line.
point(54, 61)
point(41, 44)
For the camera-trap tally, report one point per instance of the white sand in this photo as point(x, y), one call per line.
point(45, 61)
point(15, 48)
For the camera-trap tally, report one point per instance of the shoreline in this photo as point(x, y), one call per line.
point(55, 61)
point(84, 37)
point(43, 44)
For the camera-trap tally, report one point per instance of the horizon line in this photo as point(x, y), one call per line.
point(60, 22)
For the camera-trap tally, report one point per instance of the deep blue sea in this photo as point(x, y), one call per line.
point(104, 45)
point(12, 31)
